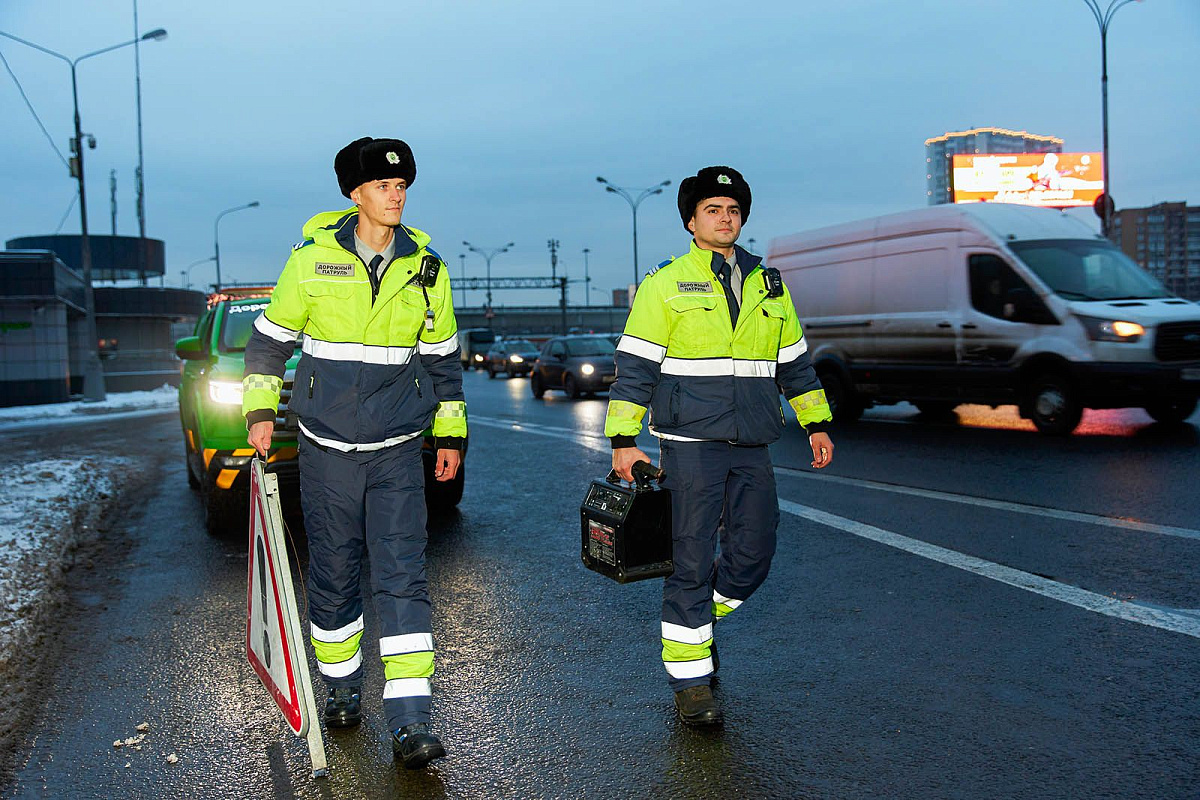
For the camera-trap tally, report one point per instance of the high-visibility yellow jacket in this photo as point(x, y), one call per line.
point(380, 358)
point(702, 378)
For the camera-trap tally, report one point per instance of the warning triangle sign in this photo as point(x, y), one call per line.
point(274, 643)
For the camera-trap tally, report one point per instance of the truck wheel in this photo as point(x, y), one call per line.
point(440, 497)
point(571, 387)
point(1053, 404)
point(226, 511)
point(535, 385)
point(193, 482)
point(843, 402)
point(1172, 412)
point(936, 409)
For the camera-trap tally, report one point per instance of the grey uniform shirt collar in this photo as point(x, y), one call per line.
point(366, 253)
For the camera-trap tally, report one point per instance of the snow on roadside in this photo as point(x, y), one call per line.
point(44, 508)
point(164, 398)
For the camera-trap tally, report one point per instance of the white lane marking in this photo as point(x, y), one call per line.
point(599, 445)
point(1177, 620)
point(1065, 593)
point(1000, 505)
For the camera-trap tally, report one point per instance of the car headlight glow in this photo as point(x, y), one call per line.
point(516, 359)
point(479, 356)
point(587, 369)
point(1104, 330)
point(227, 393)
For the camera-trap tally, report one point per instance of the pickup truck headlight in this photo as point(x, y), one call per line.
point(1111, 330)
point(587, 369)
point(516, 359)
point(227, 393)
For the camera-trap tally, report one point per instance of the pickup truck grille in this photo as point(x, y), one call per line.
point(1178, 341)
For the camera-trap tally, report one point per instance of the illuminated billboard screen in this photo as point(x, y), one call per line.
point(1052, 180)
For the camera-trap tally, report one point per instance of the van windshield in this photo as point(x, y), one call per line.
point(1082, 269)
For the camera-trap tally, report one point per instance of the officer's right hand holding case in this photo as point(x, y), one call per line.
point(623, 459)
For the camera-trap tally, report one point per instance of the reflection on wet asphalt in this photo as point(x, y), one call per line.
point(856, 671)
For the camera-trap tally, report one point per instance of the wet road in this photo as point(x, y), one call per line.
point(955, 610)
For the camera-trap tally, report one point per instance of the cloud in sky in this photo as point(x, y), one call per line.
point(513, 109)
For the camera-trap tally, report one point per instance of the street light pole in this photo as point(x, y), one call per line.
point(462, 267)
point(1103, 19)
point(633, 204)
point(186, 272)
point(488, 255)
point(217, 236)
point(587, 280)
point(93, 374)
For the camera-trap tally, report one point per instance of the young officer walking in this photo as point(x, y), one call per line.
point(380, 364)
point(711, 342)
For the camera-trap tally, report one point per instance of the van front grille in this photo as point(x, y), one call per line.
point(1178, 341)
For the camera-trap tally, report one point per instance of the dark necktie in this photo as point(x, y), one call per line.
point(726, 276)
point(373, 267)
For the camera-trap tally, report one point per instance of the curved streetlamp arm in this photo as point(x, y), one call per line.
point(45, 50)
point(105, 50)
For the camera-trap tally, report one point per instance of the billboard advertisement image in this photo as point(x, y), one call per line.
point(1051, 180)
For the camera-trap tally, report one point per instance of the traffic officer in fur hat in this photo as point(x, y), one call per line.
point(369, 300)
point(711, 342)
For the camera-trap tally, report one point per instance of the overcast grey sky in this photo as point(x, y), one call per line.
point(513, 109)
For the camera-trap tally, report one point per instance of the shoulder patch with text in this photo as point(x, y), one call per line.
point(338, 270)
point(694, 287)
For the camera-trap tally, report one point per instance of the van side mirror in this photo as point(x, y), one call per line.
point(189, 348)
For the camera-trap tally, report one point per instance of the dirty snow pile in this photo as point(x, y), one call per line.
point(163, 398)
point(45, 509)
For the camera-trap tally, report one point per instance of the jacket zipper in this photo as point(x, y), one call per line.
point(311, 380)
point(417, 381)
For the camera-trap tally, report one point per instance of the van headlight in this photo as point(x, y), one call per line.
point(587, 369)
point(227, 393)
point(1111, 330)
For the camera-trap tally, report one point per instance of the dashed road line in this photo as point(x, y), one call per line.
point(1182, 621)
point(999, 505)
point(1169, 620)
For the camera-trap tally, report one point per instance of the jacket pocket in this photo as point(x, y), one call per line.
point(768, 329)
point(694, 329)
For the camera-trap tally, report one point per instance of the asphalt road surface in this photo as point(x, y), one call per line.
point(956, 610)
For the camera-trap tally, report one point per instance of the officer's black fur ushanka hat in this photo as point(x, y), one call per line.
point(713, 182)
point(368, 159)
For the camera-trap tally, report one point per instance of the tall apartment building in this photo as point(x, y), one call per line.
point(940, 150)
point(1164, 240)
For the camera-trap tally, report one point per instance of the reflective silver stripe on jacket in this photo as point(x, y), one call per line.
point(442, 348)
point(354, 351)
point(346, 447)
point(276, 332)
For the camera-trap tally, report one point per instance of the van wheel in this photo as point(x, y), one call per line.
point(1172, 412)
point(1053, 404)
point(535, 385)
point(571, 387)
point(936, 409)
point(843, 402)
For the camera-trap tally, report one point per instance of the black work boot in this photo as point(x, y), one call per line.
point(343, 709)
point(697, 706)
point(416, 746)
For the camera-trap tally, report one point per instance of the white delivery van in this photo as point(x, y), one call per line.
point(989, 303)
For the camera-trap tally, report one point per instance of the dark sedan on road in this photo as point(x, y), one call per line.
point(512, 356)
point(579, 365)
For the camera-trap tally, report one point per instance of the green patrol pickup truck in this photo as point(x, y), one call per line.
point(216, 450)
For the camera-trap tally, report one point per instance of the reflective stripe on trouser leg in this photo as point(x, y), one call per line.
point(396, 536)
point(695, 474)
point(331, 492)
point(748, 535)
